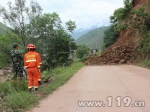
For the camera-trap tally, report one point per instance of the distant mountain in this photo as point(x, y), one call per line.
point(3, 29)
point(93, 39)
point(78, 33)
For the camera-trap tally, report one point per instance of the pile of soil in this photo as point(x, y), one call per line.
point(124, 51)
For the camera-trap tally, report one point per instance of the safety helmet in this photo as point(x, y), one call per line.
point(15, 45)
point(31, 47)
point(34, 47)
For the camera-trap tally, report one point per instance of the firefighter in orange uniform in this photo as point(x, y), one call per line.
point(32, 62)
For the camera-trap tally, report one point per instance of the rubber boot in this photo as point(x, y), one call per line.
point(36, 89)
point(39, 82)
point(30, 89)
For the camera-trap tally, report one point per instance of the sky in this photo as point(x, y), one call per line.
point(85, 13)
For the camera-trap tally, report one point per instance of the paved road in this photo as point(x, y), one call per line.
point(109, 88)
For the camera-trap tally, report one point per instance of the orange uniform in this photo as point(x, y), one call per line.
point(32, 62)
point(39, 73)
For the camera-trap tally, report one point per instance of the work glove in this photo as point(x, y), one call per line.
point(25, 67)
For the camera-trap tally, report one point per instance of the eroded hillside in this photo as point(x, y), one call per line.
point(125, 49)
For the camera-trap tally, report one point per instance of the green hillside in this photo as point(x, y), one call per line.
point(3, 28)
point(93, 39)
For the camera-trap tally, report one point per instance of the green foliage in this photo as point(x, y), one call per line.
point(140, 12)
point(61, 75)
point(84, 58)
point(140, 24)
point(121, 27)
point(128, 5)
point(93, 39)
point(13, 86)
point(144, 46)
point(58, 70)
point(20, 100)
point(3, 29)
point(82, 52)
point(70, 26)
point(6, 42)
point(146, 63)
point(52, 39)
point(148, 2)
point(19, 85)
point(45, 74)
point(16, 96)
point(4, 60)
point(110, 36)
point(19, 15)
point(122, 13)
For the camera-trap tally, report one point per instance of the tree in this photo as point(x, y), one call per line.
point(6, 42)
point(110, 36)
point(70, 26)
point(122, 13)
point(19, 15)
point(82, 52)
point(53, 40)
point(120, 16)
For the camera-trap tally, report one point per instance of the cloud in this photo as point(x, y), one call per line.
point(85, 13)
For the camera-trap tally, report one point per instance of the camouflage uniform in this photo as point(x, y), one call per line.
point(17, 63)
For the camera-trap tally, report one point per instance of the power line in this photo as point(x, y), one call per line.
point(67, 4)
point(57, 7)
point(73, 11)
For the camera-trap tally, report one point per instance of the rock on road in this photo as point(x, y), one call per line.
point(119, 88)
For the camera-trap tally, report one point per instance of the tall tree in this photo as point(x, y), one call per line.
point(19, 15)
point(82, 51)
point(54, 40)
point(110, 36)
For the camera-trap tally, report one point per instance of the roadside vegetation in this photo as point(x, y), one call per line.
point(14, 95)
point(145, 64)
point(28, 24)
point(56, 46)
point(133, 19)
point(53, 41)
point(119, 22)
point(82, 52)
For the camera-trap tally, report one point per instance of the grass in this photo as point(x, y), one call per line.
point(146, 63)
point(15, 96)
point(61, 75)
point(20, 100)
point(9, 87)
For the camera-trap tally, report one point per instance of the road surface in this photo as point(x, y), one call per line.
point(115, 88)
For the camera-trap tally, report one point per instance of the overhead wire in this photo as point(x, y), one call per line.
point(68, 6)
point(58, 8)
point(73, 11)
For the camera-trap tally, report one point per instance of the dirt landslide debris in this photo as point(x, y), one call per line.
point(122, 52)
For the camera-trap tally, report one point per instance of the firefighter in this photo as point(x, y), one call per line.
point(32, 64)
point(17, 59)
